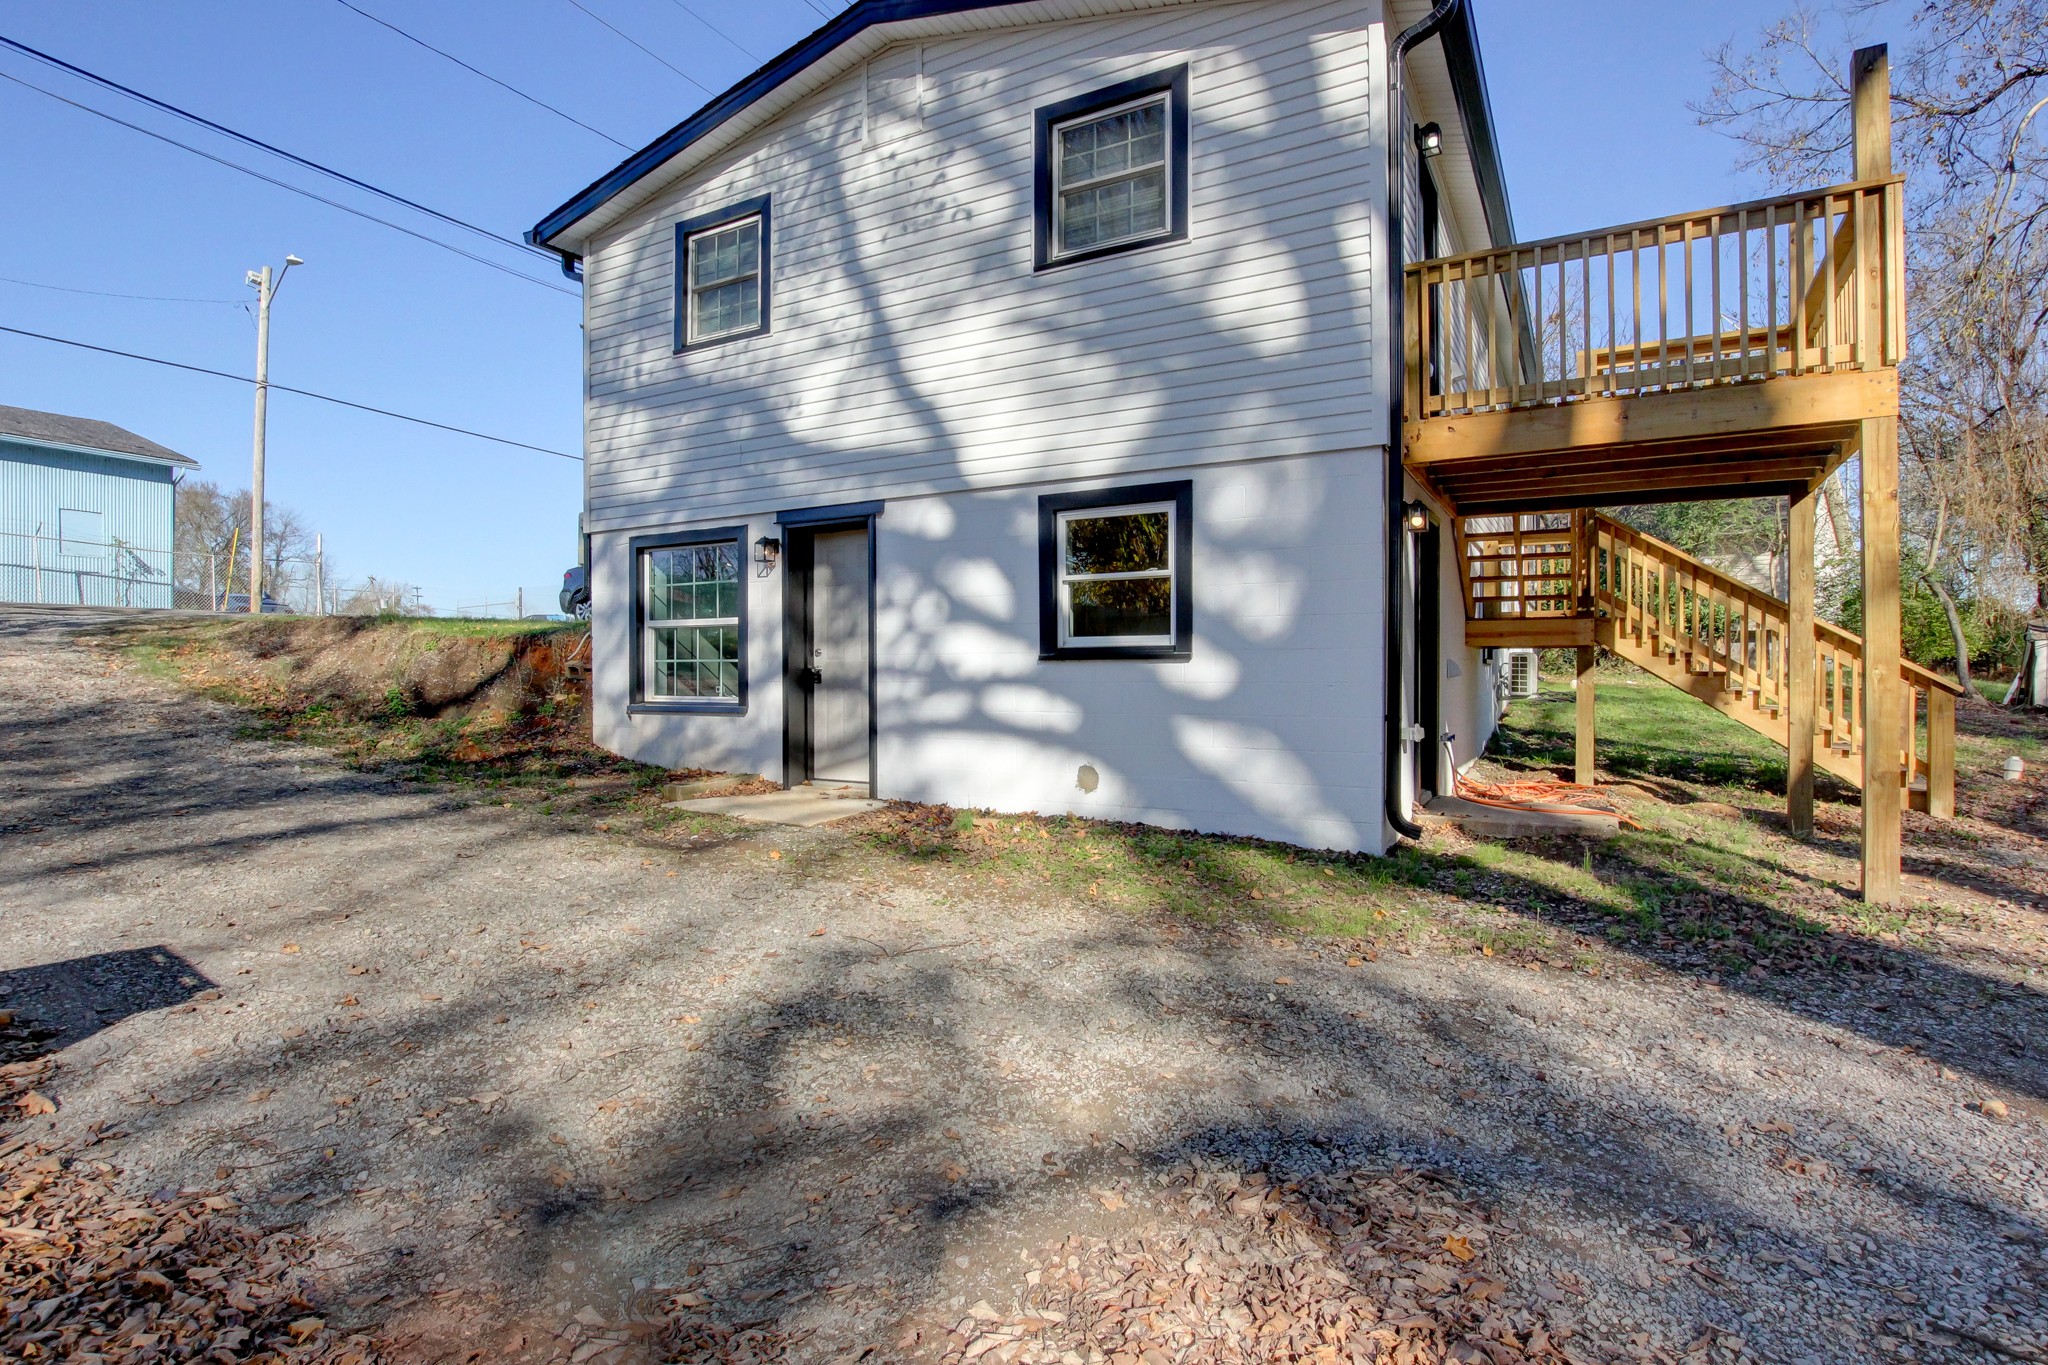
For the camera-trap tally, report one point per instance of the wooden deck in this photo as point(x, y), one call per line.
point(1731, 352)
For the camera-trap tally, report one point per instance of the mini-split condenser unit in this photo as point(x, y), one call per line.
point(1522, 676)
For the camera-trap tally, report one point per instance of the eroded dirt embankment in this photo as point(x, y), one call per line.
point(365, 667)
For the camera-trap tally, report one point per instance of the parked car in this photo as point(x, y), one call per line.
point(576, 593)
point(239, 601)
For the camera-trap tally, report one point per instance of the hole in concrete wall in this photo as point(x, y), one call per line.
point(1087, 779)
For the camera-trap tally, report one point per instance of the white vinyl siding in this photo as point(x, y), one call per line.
point(913, 348)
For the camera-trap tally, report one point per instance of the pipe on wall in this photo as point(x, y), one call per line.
point(1399, 148)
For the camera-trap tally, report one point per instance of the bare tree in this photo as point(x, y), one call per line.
point(1968, 84)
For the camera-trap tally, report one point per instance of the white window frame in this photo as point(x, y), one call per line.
point(691, 336)
point(1066, 580)
point(649, 623)
point(1060, 250)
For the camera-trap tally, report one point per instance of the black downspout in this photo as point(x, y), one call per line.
point(1398, 144)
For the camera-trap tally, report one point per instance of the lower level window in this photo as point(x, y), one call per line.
point(690, 622)
point(1115, 572)
point(1116, 576)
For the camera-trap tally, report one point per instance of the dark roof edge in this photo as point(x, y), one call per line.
point(848, 24)
point(1468, 83)
point(169, 457)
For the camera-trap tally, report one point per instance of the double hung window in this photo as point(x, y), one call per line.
point(1116, 575)
point(1111, 172)
point(690, 607)
point(1112, 169)
point(722, 275)
point(1114, 572)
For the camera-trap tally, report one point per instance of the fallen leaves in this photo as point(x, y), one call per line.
point(35, 1104)
point(1361, 1267)
point(93, 1272)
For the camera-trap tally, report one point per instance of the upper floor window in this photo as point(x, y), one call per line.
point(722, 275)
point(1112, 169)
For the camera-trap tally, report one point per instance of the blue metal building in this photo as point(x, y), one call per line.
point(85, 512)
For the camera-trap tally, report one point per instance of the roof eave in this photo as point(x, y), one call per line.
point(169, 457)
point(1460, 41)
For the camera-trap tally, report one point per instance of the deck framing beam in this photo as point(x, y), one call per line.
point(1832, 401)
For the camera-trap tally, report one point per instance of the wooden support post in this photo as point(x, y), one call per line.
point(1941, 754)
point(1884, 740)
point(1801, 663)
point(1582, 756)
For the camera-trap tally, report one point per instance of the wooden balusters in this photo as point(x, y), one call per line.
point(1485, 319)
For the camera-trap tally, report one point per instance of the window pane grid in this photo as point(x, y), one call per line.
point(691, 619)
point(725, 280)
point(1112, 175)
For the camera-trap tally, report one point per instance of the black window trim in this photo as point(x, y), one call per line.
point(706, 222)
point(1179, 492)
point(1172, 82)
point(640, 703)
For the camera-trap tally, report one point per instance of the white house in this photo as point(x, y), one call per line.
point(991, 403)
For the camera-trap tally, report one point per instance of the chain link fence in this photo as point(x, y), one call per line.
point(50, 569)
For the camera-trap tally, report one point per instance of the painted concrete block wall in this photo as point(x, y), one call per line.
point(913, 348)
point(750, 742)
point(130, 565)
point(1272, 728)
point(1269, 729)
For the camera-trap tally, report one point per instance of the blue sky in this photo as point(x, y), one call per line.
point(387, 320)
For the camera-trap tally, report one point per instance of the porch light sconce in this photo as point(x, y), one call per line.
point(1415, 516)
point(767, 550)
point(1429, 139)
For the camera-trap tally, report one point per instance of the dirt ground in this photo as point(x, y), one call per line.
point(537, 1092)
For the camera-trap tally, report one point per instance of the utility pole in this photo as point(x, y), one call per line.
point(266, 289)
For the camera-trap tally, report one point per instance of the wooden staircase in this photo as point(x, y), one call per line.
point(1579, 578)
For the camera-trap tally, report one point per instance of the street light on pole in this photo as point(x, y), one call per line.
point(266, 289)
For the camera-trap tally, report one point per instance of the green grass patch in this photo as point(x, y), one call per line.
point(1643, 729)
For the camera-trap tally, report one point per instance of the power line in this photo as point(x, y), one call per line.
point(642, 46)
point(503, 85)
point(823, 13)
point(287, 185)
point(713, 27)
point(261, 145)
point(103, 294)
point(286, 388)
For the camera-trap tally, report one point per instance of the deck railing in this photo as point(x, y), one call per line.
point(1798, 284)
point(1526, 566)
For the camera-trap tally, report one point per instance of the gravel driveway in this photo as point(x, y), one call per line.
point(526, 1080)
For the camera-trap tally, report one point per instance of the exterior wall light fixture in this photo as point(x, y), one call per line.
point(1429, 139)
point(1415, 516)
point(767, 550)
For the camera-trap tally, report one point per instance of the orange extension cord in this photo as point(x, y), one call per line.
point(1546, 794)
